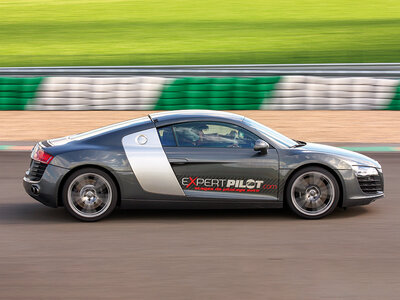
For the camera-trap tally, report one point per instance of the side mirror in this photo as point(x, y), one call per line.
point(261, 146)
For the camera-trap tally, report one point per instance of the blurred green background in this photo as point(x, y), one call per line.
point(86, 32)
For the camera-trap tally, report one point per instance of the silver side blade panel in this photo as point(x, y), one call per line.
point(150, 164)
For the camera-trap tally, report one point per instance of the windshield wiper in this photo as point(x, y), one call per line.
point(299, 144)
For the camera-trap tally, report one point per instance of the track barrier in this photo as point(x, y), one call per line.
point(222, 93)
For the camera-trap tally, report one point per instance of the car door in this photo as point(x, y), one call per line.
point(216, 160)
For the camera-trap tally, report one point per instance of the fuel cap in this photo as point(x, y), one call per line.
point(141, 139)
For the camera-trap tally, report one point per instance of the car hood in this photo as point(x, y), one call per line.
point(353, 158)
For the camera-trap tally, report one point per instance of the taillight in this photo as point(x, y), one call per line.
point(39, 155)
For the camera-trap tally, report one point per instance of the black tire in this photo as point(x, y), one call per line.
point(93, 201)
point(320, 196)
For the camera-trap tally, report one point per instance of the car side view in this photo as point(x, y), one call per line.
point(197, 159)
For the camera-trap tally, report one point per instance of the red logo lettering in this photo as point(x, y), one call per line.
point(191, 182)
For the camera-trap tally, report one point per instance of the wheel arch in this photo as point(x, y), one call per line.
point(335, 174)
point(101, 168)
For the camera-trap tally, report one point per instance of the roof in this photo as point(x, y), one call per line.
point(176, 116)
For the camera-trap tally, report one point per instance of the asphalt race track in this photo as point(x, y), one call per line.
point(220, 254)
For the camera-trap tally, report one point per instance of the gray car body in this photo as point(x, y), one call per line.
point(105, 150)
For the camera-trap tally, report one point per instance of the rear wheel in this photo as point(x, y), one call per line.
point(90, 194)
point(312, 193)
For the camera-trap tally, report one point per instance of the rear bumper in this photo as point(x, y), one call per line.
point(46, 199)
point(46, 189)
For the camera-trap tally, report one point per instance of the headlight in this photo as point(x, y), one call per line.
point(365, 171)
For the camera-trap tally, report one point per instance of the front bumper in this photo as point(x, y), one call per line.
point(352, 192)
point(46, 189)
point(362, 200)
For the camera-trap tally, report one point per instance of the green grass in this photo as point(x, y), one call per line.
point(150, 32)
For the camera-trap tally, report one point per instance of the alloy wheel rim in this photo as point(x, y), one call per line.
point(313, 193)
point(89, 195)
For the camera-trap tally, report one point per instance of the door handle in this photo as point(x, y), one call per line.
point(178, 161)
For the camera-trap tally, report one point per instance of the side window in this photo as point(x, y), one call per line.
point(166, 136)
point(213, 135)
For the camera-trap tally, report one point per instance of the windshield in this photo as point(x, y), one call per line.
point(270, 133)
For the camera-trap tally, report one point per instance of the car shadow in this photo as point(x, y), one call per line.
point(29, 213)
point(350, 212)
point(200, 214)
point(226, 214)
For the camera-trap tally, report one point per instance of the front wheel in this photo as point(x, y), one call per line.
point(312, 193)
point(89, 194)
